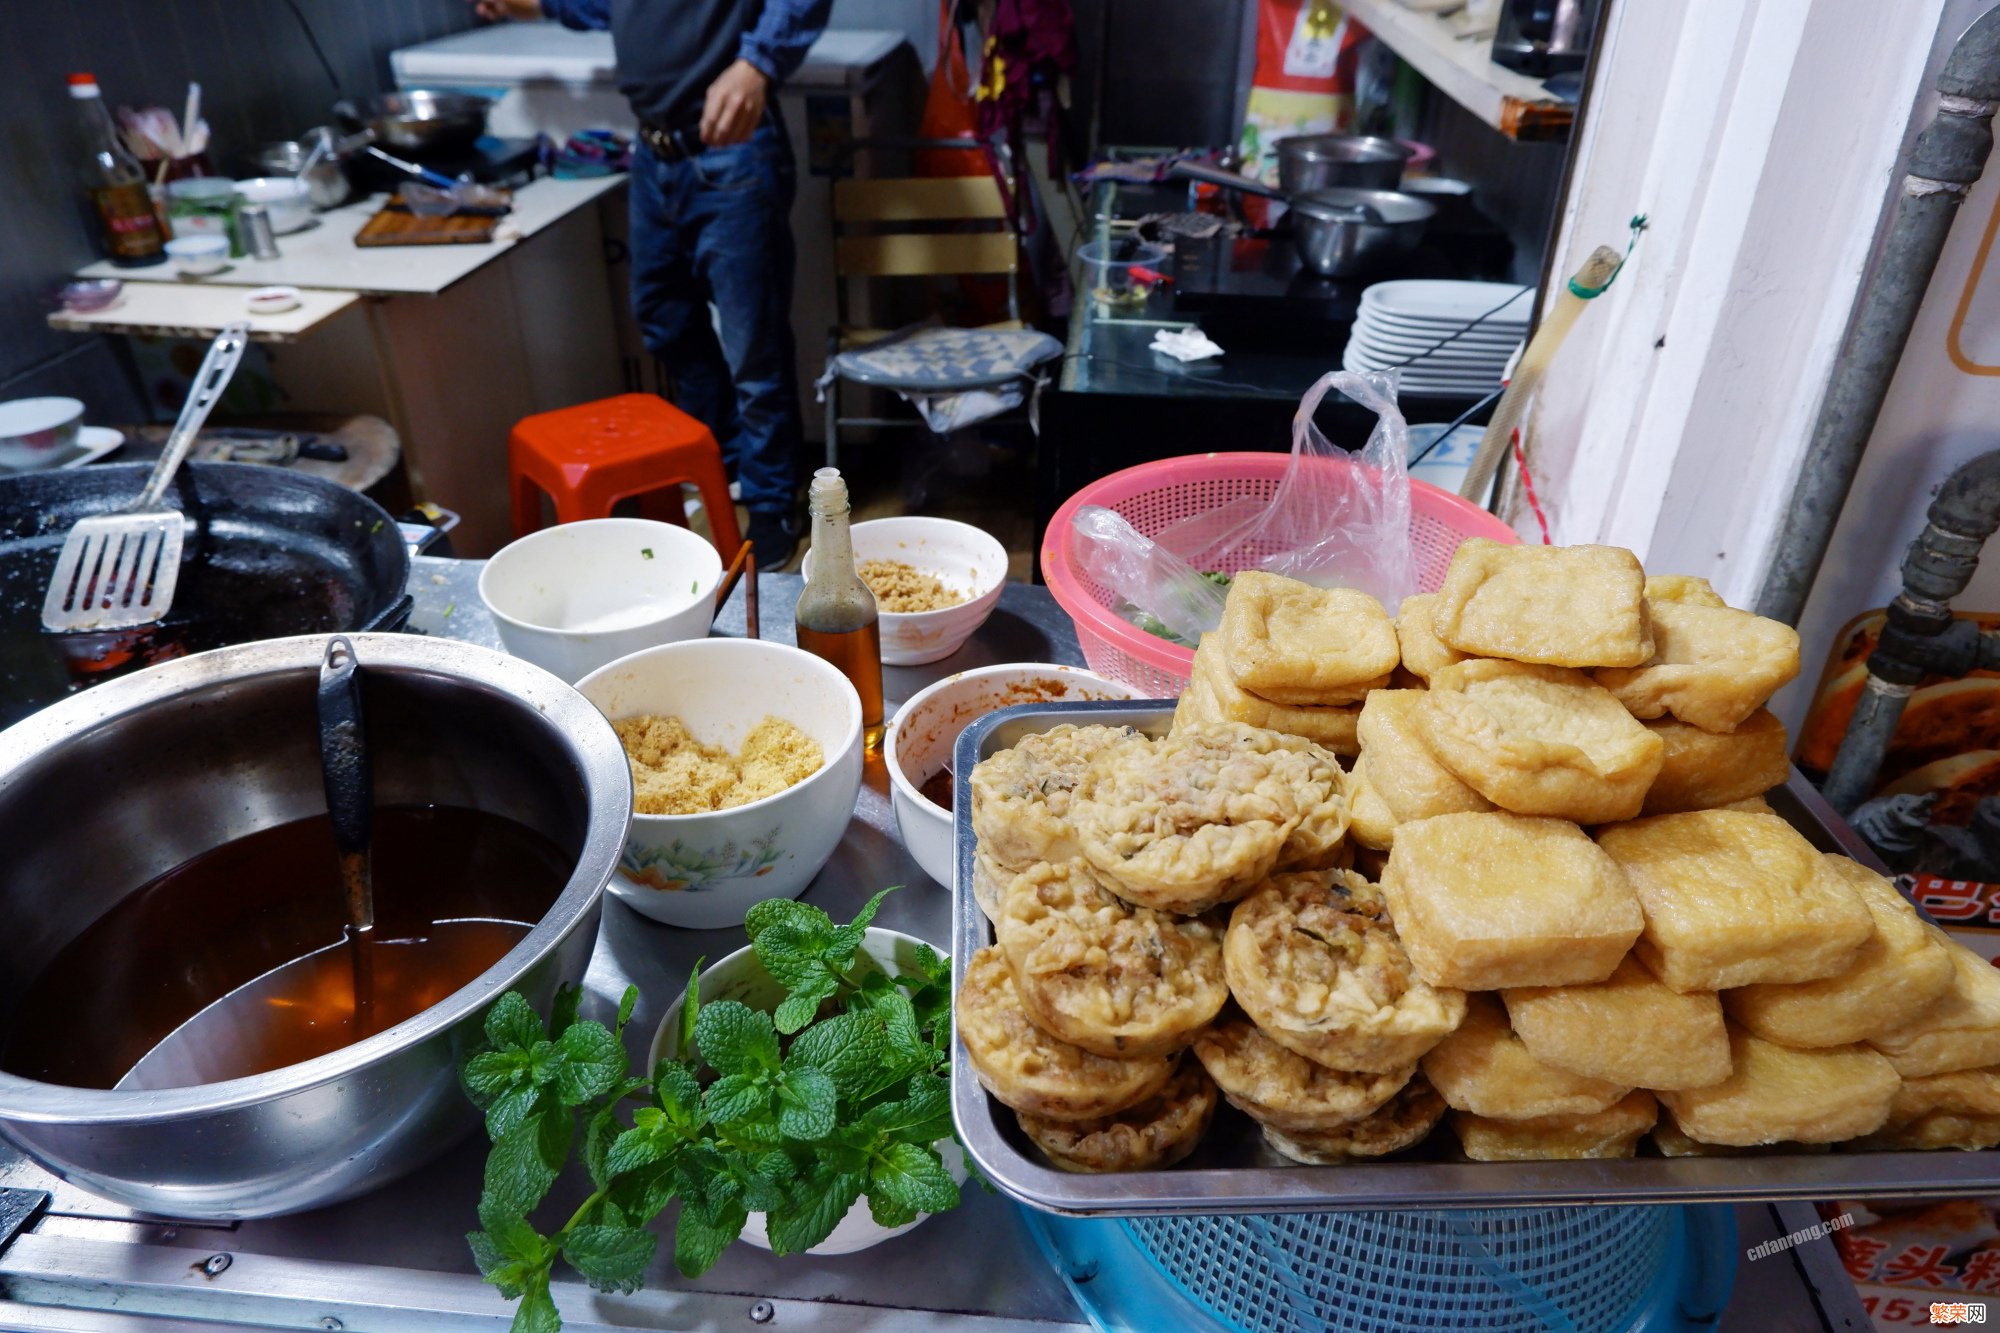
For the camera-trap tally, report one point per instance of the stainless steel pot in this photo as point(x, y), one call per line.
point(106, 790)
point(1338, 233)
point(1347, 161)
point(421, 120)
point(326, 179)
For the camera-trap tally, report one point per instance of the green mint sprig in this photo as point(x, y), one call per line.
point(839, 1094)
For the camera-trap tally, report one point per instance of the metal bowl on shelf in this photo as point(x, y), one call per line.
point(1348, 161)
point(107, 790)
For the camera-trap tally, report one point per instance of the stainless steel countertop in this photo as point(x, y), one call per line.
point(396, 1260)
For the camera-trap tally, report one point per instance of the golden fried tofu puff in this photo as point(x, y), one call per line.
point(1899, 973)
point(1712, 667)
point(1285, 1090)
point(1315, 962)
point(1197, 819)
point(1673, 1141)
point(1416, 634)
point(1539, 740)
point(1487, 901)
point(1484, 1068)
point(1959, 1110)
point(1403, 1122)
point(1733, 899)
point(1021, 795)
point(1612, 1132)
point(1292, 643)
point(1157, 1132)
point(1707, 770)
point(1960, 1031)
point(1774, 1094)
point(1568, 606)
point(1370, 822)
point(1685, 589)
point(1213, 695)
point(1029, 1070)
point(1096, 972)
point(1629, 1028)
point(1404, 773)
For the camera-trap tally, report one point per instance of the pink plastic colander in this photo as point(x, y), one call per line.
point(1152, 496)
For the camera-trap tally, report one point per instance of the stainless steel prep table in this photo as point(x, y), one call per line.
point(396, 1260)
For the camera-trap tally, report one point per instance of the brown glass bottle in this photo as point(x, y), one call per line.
point(836, 618)
point(127, 227)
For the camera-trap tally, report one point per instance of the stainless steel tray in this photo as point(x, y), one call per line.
point(1233, 1172)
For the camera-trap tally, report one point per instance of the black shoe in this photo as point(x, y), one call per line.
point(775, 539)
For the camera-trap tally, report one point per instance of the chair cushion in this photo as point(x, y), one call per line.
point(933, 359)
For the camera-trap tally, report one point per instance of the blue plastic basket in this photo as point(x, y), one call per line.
point(1514, 1270)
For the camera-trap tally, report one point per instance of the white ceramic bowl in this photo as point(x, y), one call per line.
point(199, 255)
point(287, 199)
point(967, 559)
point(707, 870)
point(742, 978)
point(577, 596)
point(919, 741)
point(35, 432)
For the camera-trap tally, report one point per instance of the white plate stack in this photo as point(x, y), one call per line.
point(1421, 325)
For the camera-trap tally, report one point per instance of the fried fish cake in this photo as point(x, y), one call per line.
point(1027, 1069)
point(1959, 1110)
point(1096, 972)
point(1706, 770)
point(1280, 1088)
point(1900, 972)
point(1405, 1121)
point(1157, 1132)
point(1314, 960)
point(1370, 822)
point(1732, 899)
point(1402, 769)
point(1416, 634)
point(1612, 1132)
point(1629, 1028)
point(1293, 643)
point(1682, 588)
point(1485, 901)
point(989, 882)
point(1213, 696)
point(1961, 1031)
point(1569, 606)
point(1711, 667)
point(1774, 1093)
point(1198, 818)
point(1484, 1068)
point(1021, 796)
point(1538, 740)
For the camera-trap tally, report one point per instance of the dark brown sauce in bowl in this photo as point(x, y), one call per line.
point(937, 789)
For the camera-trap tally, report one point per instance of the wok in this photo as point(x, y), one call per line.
point(420, 120)
point(268, 553)
point(1338, 233)
point(1355, 161)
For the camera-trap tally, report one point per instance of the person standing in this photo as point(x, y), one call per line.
point(711, 199)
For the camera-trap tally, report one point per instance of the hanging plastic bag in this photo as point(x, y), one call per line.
point(1338, 519)
point(1157, 590)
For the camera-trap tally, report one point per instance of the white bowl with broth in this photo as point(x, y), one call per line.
point(967, 560)
point(919, 742)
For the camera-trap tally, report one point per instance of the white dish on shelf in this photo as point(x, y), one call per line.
point(1482, 337)
point(1450, 299)
point(1448, 358)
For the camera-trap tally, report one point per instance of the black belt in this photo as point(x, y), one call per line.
point(675, 145)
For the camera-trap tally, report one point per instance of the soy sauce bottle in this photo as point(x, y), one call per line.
point(836, 618)
point(128, 229)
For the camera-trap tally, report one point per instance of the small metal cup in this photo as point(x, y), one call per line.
point(258, 239)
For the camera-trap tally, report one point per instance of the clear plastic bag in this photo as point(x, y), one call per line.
point(1338, 518)
point(1158, 591)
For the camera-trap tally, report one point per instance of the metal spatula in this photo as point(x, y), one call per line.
point(120, 570)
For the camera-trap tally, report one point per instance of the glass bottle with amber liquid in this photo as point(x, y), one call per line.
point(127, 227)
point(836, 618)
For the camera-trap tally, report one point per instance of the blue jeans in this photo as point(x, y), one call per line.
point(717, 227)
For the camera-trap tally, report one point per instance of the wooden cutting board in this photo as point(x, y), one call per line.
point(397, 225)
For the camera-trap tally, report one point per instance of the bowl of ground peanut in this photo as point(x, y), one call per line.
point(746, 761)
point(935, 581)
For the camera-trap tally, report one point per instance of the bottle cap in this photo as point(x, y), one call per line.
point(83, 85)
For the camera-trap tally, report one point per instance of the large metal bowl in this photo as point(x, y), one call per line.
point(422, 120)
point(106, 790)
point(1343, 161)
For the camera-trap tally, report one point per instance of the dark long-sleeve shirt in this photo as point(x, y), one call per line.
point(669, 51)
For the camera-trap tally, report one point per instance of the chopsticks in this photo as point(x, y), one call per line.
point(745, 562)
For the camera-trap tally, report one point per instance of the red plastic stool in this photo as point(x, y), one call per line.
point(589, 457)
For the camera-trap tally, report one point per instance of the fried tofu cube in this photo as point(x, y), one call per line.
point(1571, 606)
point(1959, 1110)
point(1705, 770)
point(1292, 643)
point(1214, 696)
point(1683, 588)
point(1900, 972)
point(1732, 899)
point(1405, 774)
point(1539, 740)
point(1370, 821)
point(1416, 634)
point(1961, 1031)
point(1629, 1028)
point(1774, 1093)
point(1484, 901)
point(1711, 667)
point(1484, 1068)
point(1613, 1132)
point(1673, 1141)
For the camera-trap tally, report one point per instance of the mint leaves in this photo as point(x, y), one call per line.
point(838, 1095)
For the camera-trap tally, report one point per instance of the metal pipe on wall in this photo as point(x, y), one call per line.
point(1949, 155)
